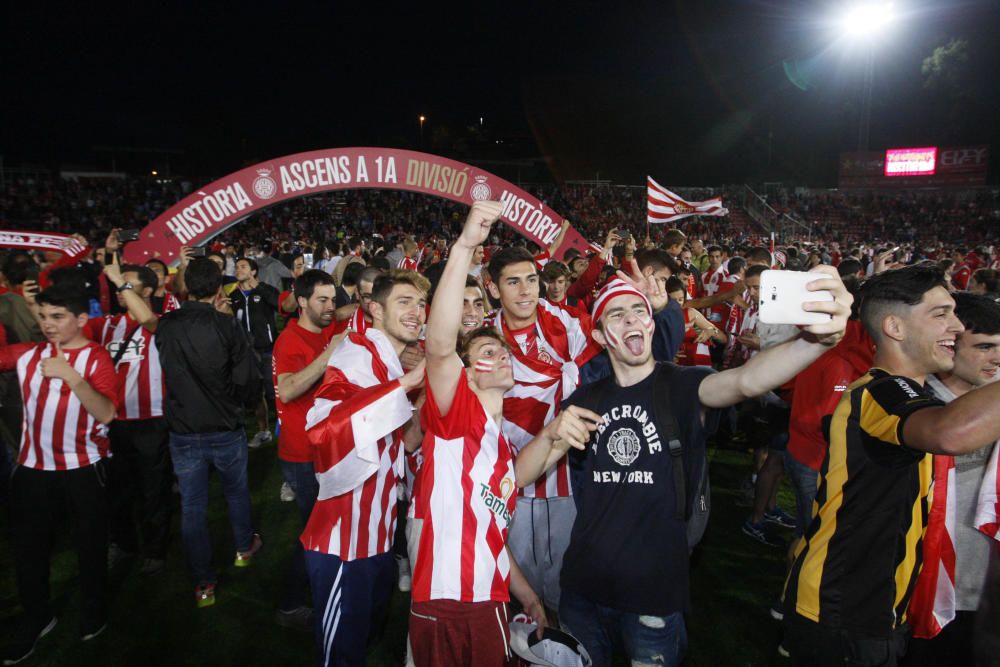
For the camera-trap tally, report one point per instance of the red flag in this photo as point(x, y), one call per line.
point(665, 206)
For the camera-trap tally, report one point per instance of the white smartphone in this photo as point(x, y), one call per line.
point(782, 294)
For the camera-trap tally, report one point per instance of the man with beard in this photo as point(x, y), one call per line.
point(358, 423)
point(644, 440)
point(301, 354)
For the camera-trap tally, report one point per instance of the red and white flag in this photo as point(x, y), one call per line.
point(932, 605)
point(664, 206)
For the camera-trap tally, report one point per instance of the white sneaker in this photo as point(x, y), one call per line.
point(261, 438)
point(287, 494)
point(405, 581)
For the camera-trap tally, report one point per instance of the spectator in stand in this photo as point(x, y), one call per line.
point(255, 305)
point(210, 373)
point(61, 463)
point(301, 354)
point(140, 474)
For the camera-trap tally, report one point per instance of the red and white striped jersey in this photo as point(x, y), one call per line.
point(57, 433)
point(407, 264)
point(464, 493)
point(141, 385)
point(544, 375)
point(356, 429)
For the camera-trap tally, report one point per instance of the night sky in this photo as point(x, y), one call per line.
point(691, 92)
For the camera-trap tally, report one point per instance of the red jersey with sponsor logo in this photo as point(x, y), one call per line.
point(141, 384)
point(295, 349)
point(57, 433)
point(464, 492)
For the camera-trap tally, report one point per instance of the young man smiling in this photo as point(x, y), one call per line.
point(357, 426)
point(625, 573)
point(848, 592)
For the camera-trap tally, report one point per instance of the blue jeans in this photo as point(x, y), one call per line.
point(302, 479)
point(194, 455)
point(647, 639)
point(804, 480)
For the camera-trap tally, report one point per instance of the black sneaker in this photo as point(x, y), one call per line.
point(25, 644)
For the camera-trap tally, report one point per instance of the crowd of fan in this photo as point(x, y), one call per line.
point(317, 309)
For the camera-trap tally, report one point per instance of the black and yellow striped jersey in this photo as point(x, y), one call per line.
point(856, 565)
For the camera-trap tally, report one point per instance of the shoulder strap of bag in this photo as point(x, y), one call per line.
point(665, 419)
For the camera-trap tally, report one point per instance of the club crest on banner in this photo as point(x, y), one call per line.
point(480, 191)
point(264, 186)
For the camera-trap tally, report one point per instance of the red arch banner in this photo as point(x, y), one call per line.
point(223, 203)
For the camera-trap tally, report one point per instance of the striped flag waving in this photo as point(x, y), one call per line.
point(665, 206)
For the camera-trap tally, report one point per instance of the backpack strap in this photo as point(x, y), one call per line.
point(665, 419)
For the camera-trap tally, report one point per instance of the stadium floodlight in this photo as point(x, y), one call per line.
point(866, 20)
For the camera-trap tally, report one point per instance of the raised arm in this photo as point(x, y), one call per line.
point(559, 238)
point(776, 366)
point(444, 368)
point(137, 306)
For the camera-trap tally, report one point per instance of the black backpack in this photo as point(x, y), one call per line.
point(696, 517)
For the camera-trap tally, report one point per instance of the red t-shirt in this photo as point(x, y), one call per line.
point(295, 349)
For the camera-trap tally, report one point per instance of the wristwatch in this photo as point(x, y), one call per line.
point(126, 285)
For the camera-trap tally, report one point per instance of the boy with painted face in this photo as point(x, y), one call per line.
point(464, 493)
point(625, 573)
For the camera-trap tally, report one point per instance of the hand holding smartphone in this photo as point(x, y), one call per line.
point(782, 294)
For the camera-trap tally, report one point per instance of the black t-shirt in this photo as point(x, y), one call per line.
point(628, 548)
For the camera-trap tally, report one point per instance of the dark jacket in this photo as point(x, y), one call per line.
point(255, 311)
point(209, 368)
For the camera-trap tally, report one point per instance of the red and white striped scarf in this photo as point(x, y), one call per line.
point(540, 387)
point(932, 605)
